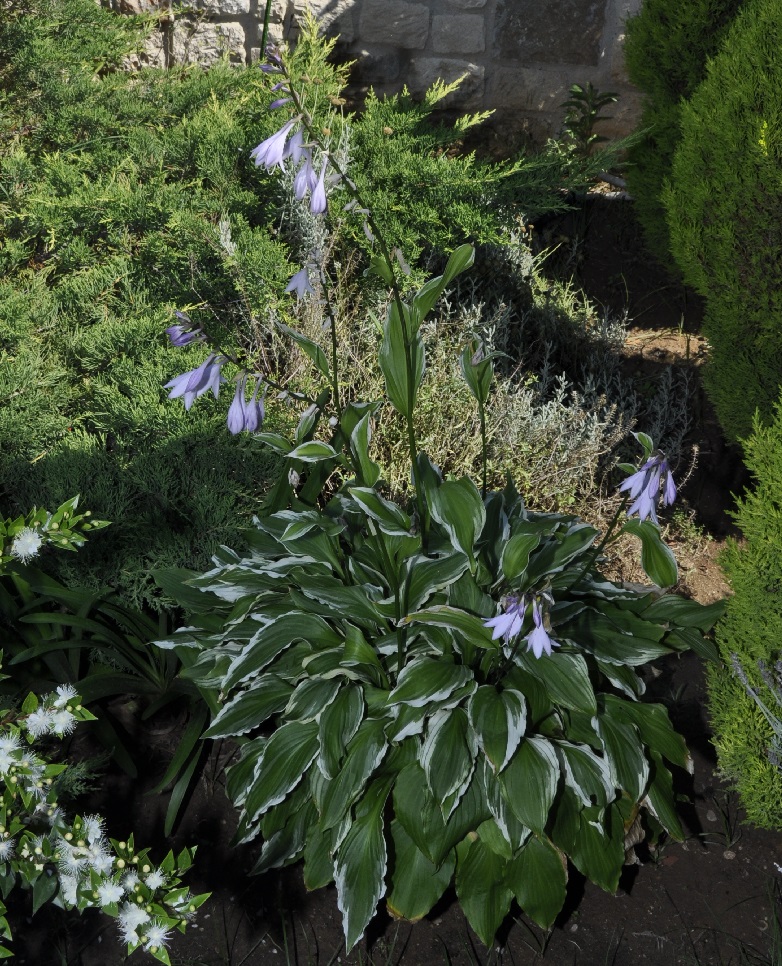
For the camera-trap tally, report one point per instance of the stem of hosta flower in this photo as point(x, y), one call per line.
point(595, 553)
point(334, 345)
point(482, 415)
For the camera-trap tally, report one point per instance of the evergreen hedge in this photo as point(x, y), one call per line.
point(667, 48)
point(747, 740)
point(724, 207)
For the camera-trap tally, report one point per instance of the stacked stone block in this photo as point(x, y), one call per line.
point(519, 57)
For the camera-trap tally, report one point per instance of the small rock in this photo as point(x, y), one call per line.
point(711, 816)
point(727, 854)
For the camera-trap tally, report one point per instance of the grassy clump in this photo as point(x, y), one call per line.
point(667, 48)
point(749, 740)
point(724, 204)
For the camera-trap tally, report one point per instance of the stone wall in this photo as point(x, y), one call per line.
point(520, 57)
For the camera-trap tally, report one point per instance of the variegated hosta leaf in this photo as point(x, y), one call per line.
point(530, 782)
point(425, 680)
point(365, 752)
point(338, 723)
point(598, 848)
point(250, 708)
point(272, 638)
point(624, 751)
point(311, 696)
point(498, 719)
point(424, 576)
point(565, 676)
point(287, 755)
point(457, 506)
point(360, 863)
point(586, 773)
point(512, 830)
point(448, 757)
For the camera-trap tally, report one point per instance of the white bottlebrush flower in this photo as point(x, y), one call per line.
point(9, 742)
point(93, 828)
point(6, 849)
point(39, 722)
point(63, 722)
point(156, 935)
point(69, 886)
point(155, 880)
point(100, 859)
point(129, 919)
point(109, 892)
point(26, 544)
point(65, 693)
point(130, 882)
point(7, 761)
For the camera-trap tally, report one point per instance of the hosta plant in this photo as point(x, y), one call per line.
point(440, 690)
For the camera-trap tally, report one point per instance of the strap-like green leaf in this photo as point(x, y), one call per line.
point(365, 752)
point(312, 349)
point(401, 386)
point(448, 756)
point(391, 518)
point(338, 723)
point(657, 558)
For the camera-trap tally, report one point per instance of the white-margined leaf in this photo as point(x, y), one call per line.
point(425, 680)
point(448, 757)
point(250, 708)
point(499, 719)
point(287, 755)
point(530, 782)
point(365, 752)
point(338, 723)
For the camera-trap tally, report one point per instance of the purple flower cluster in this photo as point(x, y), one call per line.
point(246, 415)
point(275, 151)
point(185, 331)
point(509, 624)
point(190, 385)
point(644, 487)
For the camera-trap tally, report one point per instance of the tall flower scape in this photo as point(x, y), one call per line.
point(429, 691)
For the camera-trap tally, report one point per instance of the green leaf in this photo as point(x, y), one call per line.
point(625, 755)
point(338, 723)
point(44, 888)
point(586, 773)
point(285, 845)
point(425, 299)
point(318, 858)
point(681, 612)
point(425, 680)
point(380, 267)
point(597, 633)
point(565, 676)
point(416, 882)
point(498, 719)
point(477, 369)
point(287, 755)
point(459, 261)
point(515, 555)
point(457, 506)
point(448, 756)
point(598, 850)
point(391, 518)
point(312, 452)
point(348, 601)
point(401, 385)
point(423, 819)
point(557, 552)
point(655, 727)
point(530, 782)
point(538, 878)
point(250, 708)
point(657, 558)
point(312, 349)
point(365, 752)
point(360, 864)
point(480, 885)
point(660, 799)
point(369, 471)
